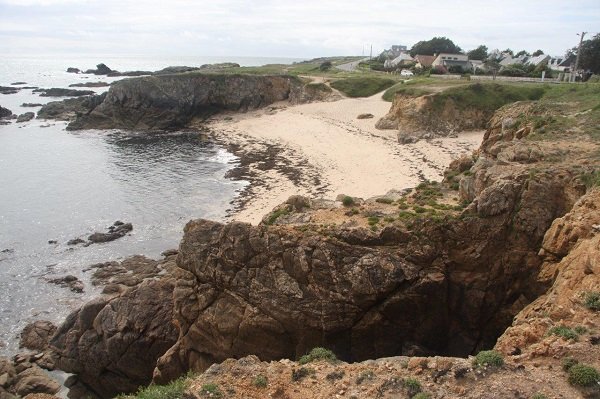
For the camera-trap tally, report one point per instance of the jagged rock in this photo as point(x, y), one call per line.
point(69, 281)
point(365, 116)
point(101, 69)
point(36, 335)
point(31, 105)
point(58, 92)
point(90, 84)
point(73, 70)
point(26, 117)
point(172, 101)
point(9, 90)
point(5, 113)
point(69, 108)
point(130, 272)
point(461, 164)
point(115, 231)
point(112, 343)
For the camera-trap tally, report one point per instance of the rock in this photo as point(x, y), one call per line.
point(9, 90)
point(176, 69)
point(115, 231)
point(73, 70)
point(130, 73)
point(31, 105)
point(18, 83)
point(101, 69)
point(386, 124)
point(75, 241)
point(35, 380)
point(57, 92)
point(461, 164)
point(70, 108)
point(69, 281)
point(365, 116)
point(170, 252)
point(130, 272)
point(171, 101)
point(36, 335)
point(113, 342)
point(5, 113)
point(26, 117)
point(90, 84)
point(52, 242)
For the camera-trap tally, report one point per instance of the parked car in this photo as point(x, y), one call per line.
point(406, 72)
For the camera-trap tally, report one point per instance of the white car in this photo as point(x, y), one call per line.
point(406, 72)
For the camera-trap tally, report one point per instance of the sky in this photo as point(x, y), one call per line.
point(283, 28)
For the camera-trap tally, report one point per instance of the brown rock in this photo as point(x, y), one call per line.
point(36, 335)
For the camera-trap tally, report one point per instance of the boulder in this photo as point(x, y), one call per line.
point(115, 231)
point(69, 281)
point(365, 116)
point(101, 69)
point(26, 117)
point(36, 335)
point(73, 70)
point(5, 113)
point(35, 380)
point(9, 90)
point(27, 105)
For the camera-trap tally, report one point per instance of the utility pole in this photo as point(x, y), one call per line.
point(578, 54)
point(371, 56)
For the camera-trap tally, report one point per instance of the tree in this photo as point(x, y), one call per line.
point(435, 46)
point(492, 65)
point(480, 53)
point(537, 52)
point(509, 51)
point(589, 59)
point(522, 52)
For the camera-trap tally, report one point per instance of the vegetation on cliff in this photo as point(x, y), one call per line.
point(362, 86)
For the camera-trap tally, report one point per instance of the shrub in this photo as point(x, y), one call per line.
point(421, 395)
point(347, 201)
point(364, 376)
point(335, 375)
point(301, 373)
point(592, 299)
point(362, 87)
point(325, 66)
point(412, 385)
point(210, 390)
point(568, 362)
point(373, 220)
point(173, 390)
point(275, 215)
point(564, 332)
point(384, 200)
point(260, 381)
point(488, 358)
point(318, 354)
point(580, 330)
point(583, 375)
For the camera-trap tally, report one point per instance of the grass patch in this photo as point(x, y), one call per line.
point(384, 200)
point(591, 300)
point(421, 395)
point(173, 390)
point(210, 391)
point(591, 179)
point(275, 215)
point(260, 381)
point(488, 96)
point(564, 332)
point(362, 86)
point(372, 220)
point(583, 375)
point(401, 88)
point(318, 354)
point(488, 358)
point(413, 386)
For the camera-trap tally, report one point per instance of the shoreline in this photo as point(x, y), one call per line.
point(322, 150)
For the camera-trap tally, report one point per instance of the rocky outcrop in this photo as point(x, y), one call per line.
point(90, 84)
point(101, 69)
point(9, 90)
point(26, 117)
point(113, 342)
point(35, 336)
point(73, 70)
point(20, 377)
point(116, 231)
point(172, 101)
point(69, 109)
point(58, 92)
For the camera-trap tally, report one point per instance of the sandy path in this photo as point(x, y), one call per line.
point(348, 155)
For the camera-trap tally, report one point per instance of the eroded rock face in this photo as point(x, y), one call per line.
point(171, 101)
point(113, 342)
point(36, 335)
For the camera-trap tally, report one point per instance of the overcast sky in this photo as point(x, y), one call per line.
point(299, 28)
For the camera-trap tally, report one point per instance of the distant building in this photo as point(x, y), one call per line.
point(401, 60)
point(424, 61)
point(394, 52)
point(535, 61)
point(448, 60)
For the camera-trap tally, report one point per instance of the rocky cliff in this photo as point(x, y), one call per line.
point(172, 101)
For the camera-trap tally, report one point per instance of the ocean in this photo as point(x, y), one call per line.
point(57, 185)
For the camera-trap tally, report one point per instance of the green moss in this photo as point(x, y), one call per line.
point(362, 86)
point(488, 358)
point(318, 354)
point(583, 375)
point(592, 300)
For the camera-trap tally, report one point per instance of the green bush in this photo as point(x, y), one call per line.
point(325, 66)
point(318, 354)
point(348, 201)
point(364, 376)
point(260, 381)
point(488, 358)
point(384, 200)
point(373, 220)
point(210, 390)
point(275, 215)
point(583, 375)
point(173, 390)
point(592, 299)
point(412, 385)
point(301, 373)
point(564, 332)
point(362, 87)
point(568, 362)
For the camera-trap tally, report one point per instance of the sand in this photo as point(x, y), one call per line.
point(331, 152)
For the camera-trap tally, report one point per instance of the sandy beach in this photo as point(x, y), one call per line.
point(323, 150)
